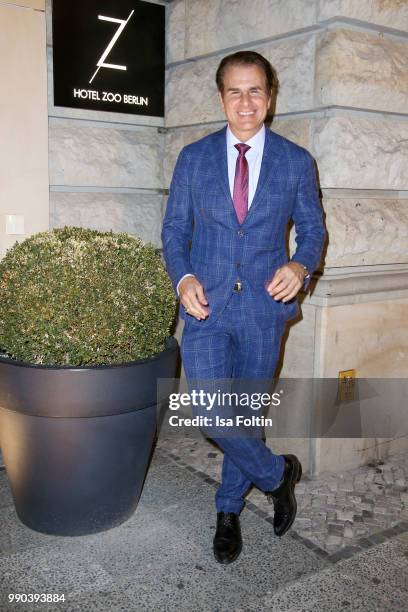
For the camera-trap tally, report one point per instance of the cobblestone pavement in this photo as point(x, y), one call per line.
point(161, 558)
point(338, 514)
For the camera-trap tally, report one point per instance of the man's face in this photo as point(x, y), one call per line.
point(245, 99)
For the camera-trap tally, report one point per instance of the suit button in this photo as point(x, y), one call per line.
point(238, 265)
point(240, 233)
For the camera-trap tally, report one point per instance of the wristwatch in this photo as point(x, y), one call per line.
point(306, 272)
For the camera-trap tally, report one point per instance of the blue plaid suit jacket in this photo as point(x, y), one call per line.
point(200, 212)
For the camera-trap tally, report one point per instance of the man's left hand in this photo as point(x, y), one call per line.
point(286, 281)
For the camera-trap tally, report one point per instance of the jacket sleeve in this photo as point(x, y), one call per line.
point(177, 227)
point(308, 219)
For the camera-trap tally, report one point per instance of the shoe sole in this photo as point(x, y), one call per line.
point(296, 476)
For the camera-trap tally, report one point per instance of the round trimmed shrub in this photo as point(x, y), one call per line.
point(77, 297)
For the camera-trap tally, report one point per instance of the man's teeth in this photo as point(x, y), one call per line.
point(248, 113)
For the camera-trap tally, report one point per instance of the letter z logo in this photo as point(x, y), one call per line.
point(101, 62)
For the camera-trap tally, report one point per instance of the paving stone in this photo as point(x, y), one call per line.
point(343, 515)
point(380, 510)
point(333, 540)
point(302, 523)
point(346, 485)
point(335, 530)
point(368, 508)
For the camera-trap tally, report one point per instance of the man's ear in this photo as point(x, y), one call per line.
point(220, 98)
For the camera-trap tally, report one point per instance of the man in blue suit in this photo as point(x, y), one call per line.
point(232, 195)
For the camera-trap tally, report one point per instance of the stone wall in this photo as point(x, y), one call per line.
point(105, 169)
point(342, 67)
point(343, 72)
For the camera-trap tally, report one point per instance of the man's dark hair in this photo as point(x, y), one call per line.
point(247, 58)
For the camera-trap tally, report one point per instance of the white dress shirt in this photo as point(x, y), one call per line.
point(254, 159)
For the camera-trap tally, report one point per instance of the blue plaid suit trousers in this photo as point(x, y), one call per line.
point(235, 346)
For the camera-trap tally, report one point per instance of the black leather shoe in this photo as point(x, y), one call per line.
point(283, 498)
point(227, 539)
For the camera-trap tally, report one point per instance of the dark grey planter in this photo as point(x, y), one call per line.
point(76, 442)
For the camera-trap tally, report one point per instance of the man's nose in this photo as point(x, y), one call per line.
point(245, 99)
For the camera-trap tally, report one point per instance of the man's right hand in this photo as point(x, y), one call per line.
point(192, 297)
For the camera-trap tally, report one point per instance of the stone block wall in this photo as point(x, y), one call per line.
point(105, 169)
point(343, 72)
point(342, 67)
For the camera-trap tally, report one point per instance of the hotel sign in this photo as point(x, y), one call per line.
point(109, 55)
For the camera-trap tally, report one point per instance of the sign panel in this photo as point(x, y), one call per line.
point(109, 55)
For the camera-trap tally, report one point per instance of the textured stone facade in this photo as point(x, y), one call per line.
point(366, 231)
point(85, 154)
point(390, 13)
point(175, 31)
point(135, 213)
point(343, 72)
point(230, 23)
point(370, 339)
point(356, 225)
point(362, 70)
point(191, 95)
point(361, 152)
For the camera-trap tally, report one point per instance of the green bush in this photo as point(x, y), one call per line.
point(76, 296)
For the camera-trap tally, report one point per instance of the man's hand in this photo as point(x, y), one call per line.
point(286, 281)
point(192, 297)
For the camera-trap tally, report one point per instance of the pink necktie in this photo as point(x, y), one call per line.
point(240, 197)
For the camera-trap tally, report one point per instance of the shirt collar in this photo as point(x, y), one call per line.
point(256, 142)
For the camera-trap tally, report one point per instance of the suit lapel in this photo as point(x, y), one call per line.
point(221, 162)
point(269, 167)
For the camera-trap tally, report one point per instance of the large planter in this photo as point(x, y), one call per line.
point(77, 441)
